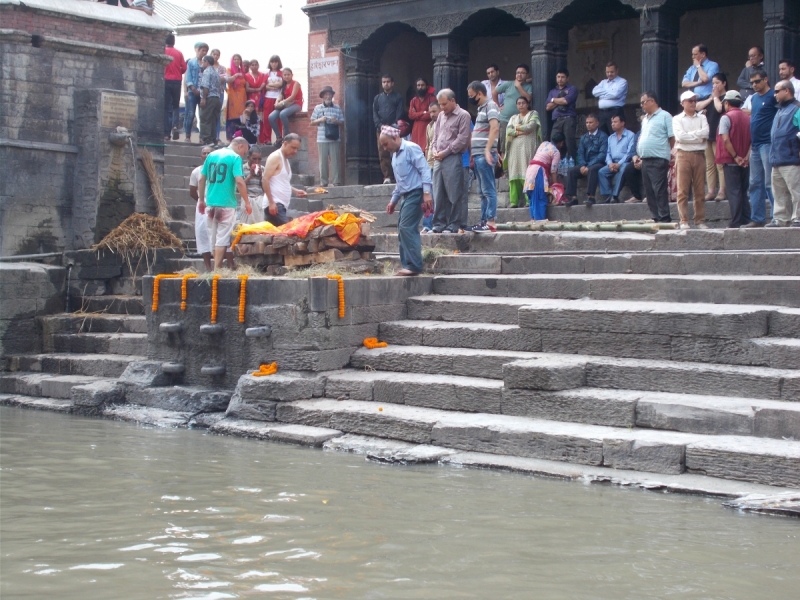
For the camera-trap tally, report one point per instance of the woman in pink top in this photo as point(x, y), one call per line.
point(542, 172)
point(289, 103)
point(271, 95)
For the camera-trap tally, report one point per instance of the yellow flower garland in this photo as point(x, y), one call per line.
point(373, 343)
point(184, 289)
point(242, 296)
point(214, 283)
point(265, 370)
point(341, 294)
point(156, 284)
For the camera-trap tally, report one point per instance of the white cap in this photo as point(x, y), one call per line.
point(688, 95)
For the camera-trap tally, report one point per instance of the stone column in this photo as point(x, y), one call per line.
point(659, 28)
point(549, 42)
point(361, 85)
point(450, 56)
point(781, 34)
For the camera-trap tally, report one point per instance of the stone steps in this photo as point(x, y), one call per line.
point(48, 385)
point(644, 263)
point(94, 323)
point(101, 343)
point(111, 304)
point(554, 372)
point(36, 403)
point(711, 289)
point(764, 461)
point(96, 365)
point(183, 230)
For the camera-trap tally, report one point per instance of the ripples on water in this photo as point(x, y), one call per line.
point(93, 509)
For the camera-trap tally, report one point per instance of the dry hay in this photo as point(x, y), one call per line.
point(155, 184)
point(138, 233)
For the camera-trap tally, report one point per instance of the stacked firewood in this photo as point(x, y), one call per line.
point(321, 245)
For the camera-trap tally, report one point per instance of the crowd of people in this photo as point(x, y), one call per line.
point(259, 103)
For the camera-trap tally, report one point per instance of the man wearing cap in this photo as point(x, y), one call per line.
point(328, 119)
point(733, 153)
point(691, 136)
point(413, 184)
point(784, 156)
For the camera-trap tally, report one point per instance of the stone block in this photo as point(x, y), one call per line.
point(644, 455)
point(777, 422)
point(591, 406)
point(520, 265)
point(465, 310)
point(323, 338)
point(302, 434)
point(97, 393)
point(602, 344)
point(614, 263)
point(60, 386)
point(144, 374)
point(464, 263)
point(708, 239)
point(258, 410)
point(694, 414)
point(180, 398)
point(545, 374)
point(281, 387)
point(756, 460)
point(308, 360)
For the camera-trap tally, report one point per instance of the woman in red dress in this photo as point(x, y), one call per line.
point(418, 112)
point(255, 82)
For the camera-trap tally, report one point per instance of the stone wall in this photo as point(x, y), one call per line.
point(304, 331)
point(50, 52)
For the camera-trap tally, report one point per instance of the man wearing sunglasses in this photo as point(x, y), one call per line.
point(762, 107)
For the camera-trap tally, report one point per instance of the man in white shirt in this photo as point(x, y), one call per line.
point(611, 94)
point(786, 72)
point(691, 137)
point(200, 223)
point(493, 75)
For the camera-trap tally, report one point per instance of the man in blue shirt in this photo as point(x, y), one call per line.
point(592, 152)
point(192, 98)
point(762, 107)
point(413, 183)
point(561, 104)
point(698, 76)
point(611, 94)
point(620, 150)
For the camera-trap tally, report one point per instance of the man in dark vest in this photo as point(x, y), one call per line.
point(733, 153)
point(784, 156)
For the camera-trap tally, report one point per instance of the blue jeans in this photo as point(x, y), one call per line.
point(282, 114)
point(192, 102)
point(427, 222)
point(487, 186)
point(760, 183)
point(409, 214)
point(611, 183)
point(219, 121)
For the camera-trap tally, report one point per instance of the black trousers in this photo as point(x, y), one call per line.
point(606, 114)
point(737, 181)
point(591, 185)
point(632, 177)
point(172, 103)
point(566, 126)
point(654, 176)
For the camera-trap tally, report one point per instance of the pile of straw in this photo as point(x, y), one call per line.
point(155, 184)
point(139, 232)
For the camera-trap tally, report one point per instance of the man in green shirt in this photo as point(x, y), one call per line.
point(512, 90)
point(221, 177)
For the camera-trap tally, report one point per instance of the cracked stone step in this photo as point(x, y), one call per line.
point(93, 323)
point(688, 413)
point(37, 403)
point(46, 385)
point(97, 365)
point(101, 343)
point(779, 353)
point(713, 289)
point(764, 461)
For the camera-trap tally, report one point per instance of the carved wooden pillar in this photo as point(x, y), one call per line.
point(781, 34)
point(548, 54)
point(659, 28)
point(450, 56)
point(361, 84)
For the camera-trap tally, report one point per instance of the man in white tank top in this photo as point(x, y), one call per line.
point(277, 181)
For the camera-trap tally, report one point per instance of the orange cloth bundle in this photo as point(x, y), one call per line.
point(373, 343)
point(265, 370)
point(348, 226)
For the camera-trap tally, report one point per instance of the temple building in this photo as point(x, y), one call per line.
point(450, 43)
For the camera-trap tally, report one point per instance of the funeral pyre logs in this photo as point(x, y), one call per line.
point(322, 237)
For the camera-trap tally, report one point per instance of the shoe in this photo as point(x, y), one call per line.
point(425, 230)
point(684, 226)
point(484, 228)
point(754, 224)
point(614, 200)
point(406, 273)
point(632, 201)
point(701, 226)
point(175, 134)
point(437, 230)
point(572, 202)
point(387, 181)
point(795, 224)
point(773, 224)
point(513, 205)
point(589, 201)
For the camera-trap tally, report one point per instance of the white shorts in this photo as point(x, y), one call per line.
point(201, 232)
point(220, 225)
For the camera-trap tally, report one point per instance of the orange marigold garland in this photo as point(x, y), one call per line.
point(214, 283)
point(341, 293)
point(265, 370)
point(156, 284)
point(373, 343)
point(184, 288)
point(242, 296)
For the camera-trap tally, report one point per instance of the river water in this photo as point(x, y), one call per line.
point(96, 509)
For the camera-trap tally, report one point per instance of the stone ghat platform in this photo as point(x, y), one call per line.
point(668, 360)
